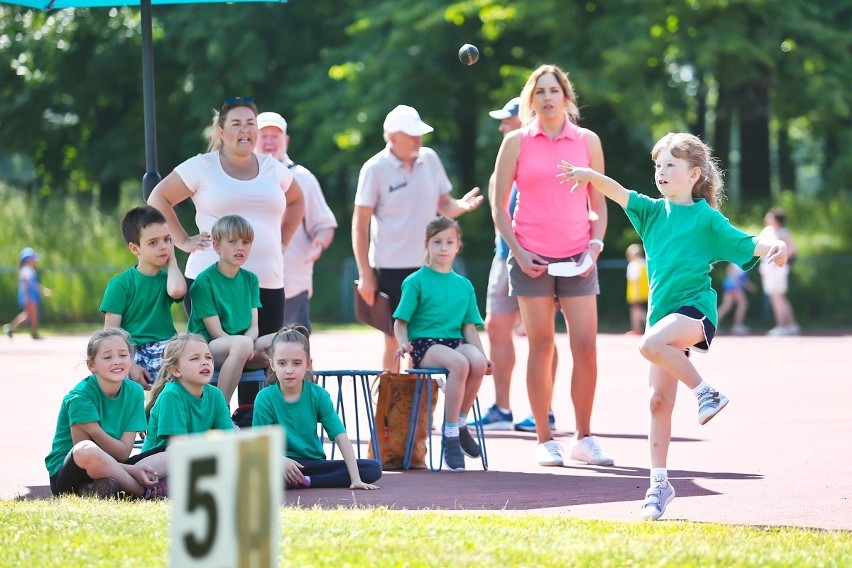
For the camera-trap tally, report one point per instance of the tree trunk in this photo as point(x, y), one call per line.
point(786, 165)
point(754, 140)
point(722, 130)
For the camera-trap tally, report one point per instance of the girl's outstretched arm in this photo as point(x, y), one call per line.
point(342, 441)
point(576, 175)
point(775, 250)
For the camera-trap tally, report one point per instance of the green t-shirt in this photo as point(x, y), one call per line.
point(87, 403)
point(299, 418)
point(177, 412)
point(143, 303)
point(437, 305)
point(682, 242)
point(232, 299)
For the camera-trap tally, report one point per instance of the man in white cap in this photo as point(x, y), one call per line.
point(314, 234)
point(501, 310)
point(400, 190)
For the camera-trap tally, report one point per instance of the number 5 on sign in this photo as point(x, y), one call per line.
point(225, 491)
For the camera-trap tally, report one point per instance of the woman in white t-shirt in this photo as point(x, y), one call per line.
point(231, 179)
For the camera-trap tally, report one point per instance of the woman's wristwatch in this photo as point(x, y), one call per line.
point(598, 242)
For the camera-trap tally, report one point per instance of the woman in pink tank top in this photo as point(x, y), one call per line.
point(553, 225)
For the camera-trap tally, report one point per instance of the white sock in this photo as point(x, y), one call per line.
point(451, 430)
point(504, 410)
point(659, 476)
point(463, 421)
point(702, 386)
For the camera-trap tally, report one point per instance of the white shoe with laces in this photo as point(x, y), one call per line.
point(550, 453)
point(588, 450)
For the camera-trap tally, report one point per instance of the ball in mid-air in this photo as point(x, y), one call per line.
point(468, 54)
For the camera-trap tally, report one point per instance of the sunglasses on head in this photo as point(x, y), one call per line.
point(238, 100)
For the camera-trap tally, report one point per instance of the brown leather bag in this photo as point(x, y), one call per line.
point(393, 415)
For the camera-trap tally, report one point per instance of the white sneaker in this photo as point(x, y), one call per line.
point(656, 500)
point(550, 454)
point(589, 450)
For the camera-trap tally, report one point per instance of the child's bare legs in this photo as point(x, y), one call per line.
point(663, 393)
point(260, 360)
point(664, 344)
point(230, 354)
point(783, 310)
point(638, 314)
point(740, 311)
point(99, 464)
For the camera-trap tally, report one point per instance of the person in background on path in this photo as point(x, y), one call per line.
point(30, 293)
point(501, 310)
point(97, 425)
point(182, 400)
point(315, 232)
point(734, 288)
point(294, 401)
point(775, 278)
point(435, 324)
point(225, 302)
point(140, 299)
point(400, 189)
point(553, 226)
point(637, 288)
point(684, 235)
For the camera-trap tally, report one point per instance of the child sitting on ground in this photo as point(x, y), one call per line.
point(140, 299)
point(225, 299)
point(97, 424)
point(436, 325)
point(294, 401)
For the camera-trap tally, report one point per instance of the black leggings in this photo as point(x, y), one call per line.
point(333, 473)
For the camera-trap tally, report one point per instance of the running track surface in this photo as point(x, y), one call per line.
point(777, 455)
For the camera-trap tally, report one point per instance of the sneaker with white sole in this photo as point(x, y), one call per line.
point(550, 453)
point(656, 499)
point(495, 419)
point(103, 488)
point(453, 456)
point(588, 450)
point(710, 402)
point(528, 423)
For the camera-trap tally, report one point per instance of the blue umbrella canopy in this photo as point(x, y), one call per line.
point(152, 175)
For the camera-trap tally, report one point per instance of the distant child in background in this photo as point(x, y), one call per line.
point(292, 400)
point(97, 424)
point(225, 299)
point(139, 300)
point(637, 288)
point(684, 235)
point(182, 401)
point(30, 293)
point(435, 323)
point(775, 278)
point(734, 288)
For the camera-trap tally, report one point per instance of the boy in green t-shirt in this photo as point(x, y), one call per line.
point(140, 299)
point(225, 299)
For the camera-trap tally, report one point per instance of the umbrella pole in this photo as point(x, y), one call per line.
point(152, 176)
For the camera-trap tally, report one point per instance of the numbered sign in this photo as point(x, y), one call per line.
point(226, 490)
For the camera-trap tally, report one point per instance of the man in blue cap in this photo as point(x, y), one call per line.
point(501, 310)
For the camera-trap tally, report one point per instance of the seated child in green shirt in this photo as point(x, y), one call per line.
point(140, 299)
point(225, 299)
point(97, 425)
point(294, 401)
point(181, 401)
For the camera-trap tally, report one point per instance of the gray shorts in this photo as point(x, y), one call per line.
point(498, 300)
point(546, 285)
point(297, 310)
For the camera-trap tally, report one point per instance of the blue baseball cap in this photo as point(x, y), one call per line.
point(509, 109)
point(26, 253)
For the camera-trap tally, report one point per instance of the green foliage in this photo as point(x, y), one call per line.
point(59, 533)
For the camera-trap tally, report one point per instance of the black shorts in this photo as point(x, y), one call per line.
point(71, 476)
point(389, 281)
point(709, 329)
point(419, 347)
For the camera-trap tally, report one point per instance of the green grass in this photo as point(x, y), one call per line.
point(77, 532)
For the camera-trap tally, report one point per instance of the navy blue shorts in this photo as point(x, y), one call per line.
point(709, 328)
point(420, 346)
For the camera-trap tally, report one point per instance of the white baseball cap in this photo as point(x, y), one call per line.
point(509, 109)
point(265, 119)
point(405, 119)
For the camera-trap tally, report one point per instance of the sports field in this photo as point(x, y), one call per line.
point(777, 455)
